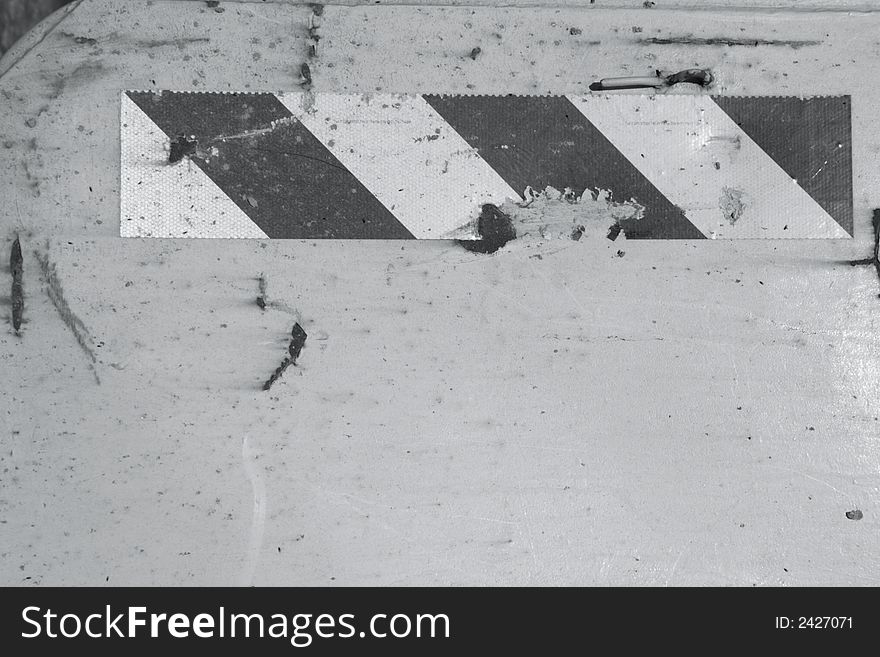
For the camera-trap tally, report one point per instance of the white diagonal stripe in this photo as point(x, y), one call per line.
point(704, 163)
point(170, 200)
point(408, 156)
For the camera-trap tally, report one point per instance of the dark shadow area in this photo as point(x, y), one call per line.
point(18, 16)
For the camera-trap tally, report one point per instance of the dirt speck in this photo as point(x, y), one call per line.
point(855, 514)
point(475, 53)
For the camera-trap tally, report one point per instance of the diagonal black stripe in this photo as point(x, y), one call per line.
point(538, 141)
point(809, 138)
point(283, 178)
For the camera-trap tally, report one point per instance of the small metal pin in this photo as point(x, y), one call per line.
point(699, 76)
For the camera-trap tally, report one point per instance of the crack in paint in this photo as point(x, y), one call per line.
point(180, 42)
point(691, 40)
point(247, 134)
point(70, 319)
point(574, 217)
point(183, 146)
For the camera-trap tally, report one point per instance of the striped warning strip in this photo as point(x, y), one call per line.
point(386, 166)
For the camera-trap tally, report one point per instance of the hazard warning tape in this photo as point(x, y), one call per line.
point(384, 166)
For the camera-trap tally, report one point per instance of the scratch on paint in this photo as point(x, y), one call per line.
point(297, 341)
point(161, 43)
point(70, 319)
point(812, 478)
point(498, 521)
point(258, 524)
point(735, 140)
point(257, 132)
point(681, 554)
point(819, 170)
point(573, 217)
point(690, 40)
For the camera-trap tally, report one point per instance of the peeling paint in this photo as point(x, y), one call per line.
point(732, 204)
point(76, 326)
point(560, 215)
